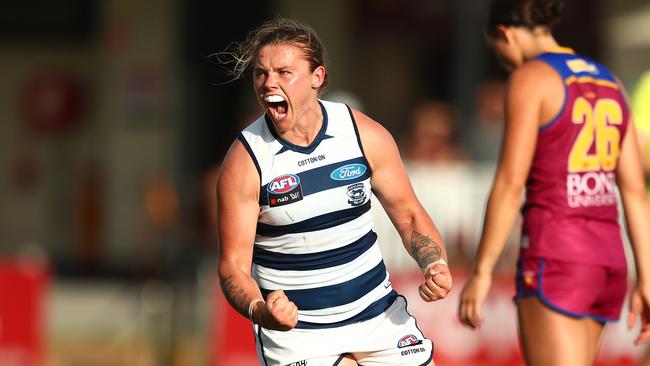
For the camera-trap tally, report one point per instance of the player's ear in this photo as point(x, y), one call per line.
point(318, 77)
point(505, 33)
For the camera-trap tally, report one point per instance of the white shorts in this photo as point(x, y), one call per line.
point(391, 338)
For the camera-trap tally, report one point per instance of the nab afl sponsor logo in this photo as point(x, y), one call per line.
point(348, 172)
point(409, 340)
point(284, 189)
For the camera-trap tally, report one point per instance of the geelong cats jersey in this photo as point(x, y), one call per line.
point(314, 235)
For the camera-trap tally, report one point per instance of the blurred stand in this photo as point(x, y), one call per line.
point(485, 138)
point(158, 249)
point(433, 135)
point(88, 205)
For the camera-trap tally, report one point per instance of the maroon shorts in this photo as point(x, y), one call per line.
point(574, 289)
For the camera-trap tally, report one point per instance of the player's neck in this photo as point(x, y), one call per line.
point(549, 44)
point(305, 128)
point(543, 44)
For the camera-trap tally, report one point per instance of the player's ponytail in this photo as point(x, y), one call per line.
point(546, 12)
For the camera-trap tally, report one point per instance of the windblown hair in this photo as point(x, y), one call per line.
point(523, 13)
point(239, 57)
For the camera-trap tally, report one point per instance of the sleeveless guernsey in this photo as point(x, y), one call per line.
point(314, 236)
point(570, 212)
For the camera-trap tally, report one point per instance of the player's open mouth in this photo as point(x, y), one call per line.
point(276, 106)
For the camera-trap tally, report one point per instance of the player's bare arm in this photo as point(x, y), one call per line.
point(393, 188)
point(424, 250)
point(524, 103)
point(637, 215)
point(237, 197)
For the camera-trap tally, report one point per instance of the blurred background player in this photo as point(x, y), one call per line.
point(640, 100)
point(569, 141)
point(297, 253)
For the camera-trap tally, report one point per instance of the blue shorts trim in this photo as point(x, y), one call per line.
point(433, 345)
point(430, 357)
point(338, 360)
point(546, 301)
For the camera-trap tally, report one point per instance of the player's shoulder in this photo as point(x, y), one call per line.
point(534, 71)
point(369, 129)
point(535, 77)
point(378, 143)
point(237, 166)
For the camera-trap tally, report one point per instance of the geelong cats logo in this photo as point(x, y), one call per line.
point(356, 194)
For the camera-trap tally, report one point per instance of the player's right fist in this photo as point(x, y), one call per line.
point(278, 313)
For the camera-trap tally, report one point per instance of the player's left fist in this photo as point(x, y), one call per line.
point(437, 282)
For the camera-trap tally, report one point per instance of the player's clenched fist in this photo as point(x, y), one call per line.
point(437, 283)
point(277, 313)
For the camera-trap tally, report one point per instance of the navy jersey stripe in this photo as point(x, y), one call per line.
point(321, 222)
point(320, 179)
point(356, 131)
point(336, 295)
point(370, 312)
point(311, 261)
point(285, 149)
point(250, 152)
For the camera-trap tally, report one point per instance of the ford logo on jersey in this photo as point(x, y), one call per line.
point(348, 172)
point(283, 183)
point(409, 340)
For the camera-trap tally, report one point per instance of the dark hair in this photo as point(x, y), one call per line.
point(240, 56)
point(523, 13)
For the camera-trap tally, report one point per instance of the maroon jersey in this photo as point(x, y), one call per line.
point(570, 211)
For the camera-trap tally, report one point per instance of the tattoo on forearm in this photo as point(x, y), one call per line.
point(423, 249)
point(234, 294)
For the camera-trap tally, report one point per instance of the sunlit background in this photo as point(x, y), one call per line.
point(114, 121)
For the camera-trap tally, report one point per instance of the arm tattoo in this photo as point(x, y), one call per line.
point(423, 249)
point(235, 295)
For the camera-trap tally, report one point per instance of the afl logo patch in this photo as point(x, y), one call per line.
point(348, 172)
point(283, 183)
point(409, 340)
point(284, 189)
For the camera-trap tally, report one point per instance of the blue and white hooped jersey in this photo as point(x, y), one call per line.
point(314, 235)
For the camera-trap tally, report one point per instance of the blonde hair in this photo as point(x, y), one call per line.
point(239, 57)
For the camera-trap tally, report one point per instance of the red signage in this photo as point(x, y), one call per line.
point(23, 288)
